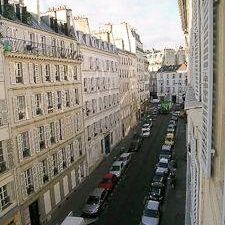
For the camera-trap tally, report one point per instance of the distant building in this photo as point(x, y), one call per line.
point(172, 83)
point(165, 57)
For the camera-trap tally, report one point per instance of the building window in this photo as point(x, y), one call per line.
point(75, 73)
point(52, 132)
point(60, 130)
point(43, 44)
point(44, 164)
point(29, 182)
point(19, 73)
point(4, 198)
point(71, 153)
point(21, 107)
point(76, 96)
point(55, 164)
point(2, 160)
point(57, 73)
point(64, 158)
point(67, 93)
point(65, 71)
point(59, 99)
point(85, 84)
point(47, 73)
point(50, 102)
point(25, 144)
point(38, 104)
point(53, 46)
point(34, 73)
point(180, 76)
point(80, 146)
point(41, 131)
point(173, 89)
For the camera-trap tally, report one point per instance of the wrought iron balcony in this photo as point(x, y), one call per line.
point(15, 45)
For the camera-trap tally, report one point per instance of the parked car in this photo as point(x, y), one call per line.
point(156, 193)
point(163, 166)
point(108, 182)
point(166, 154)
point(170, 130)
point(135, 145)
point(173, 122)
point(169, 140)
point(146, 130)
point(125, 158)
point(117, 168)
point(151, 213)
point(159, 179)
point(95, 202)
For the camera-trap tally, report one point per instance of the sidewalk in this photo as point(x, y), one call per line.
point(173, 210)
point(76, 200)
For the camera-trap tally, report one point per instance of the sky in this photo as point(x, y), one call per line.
point(157, 21)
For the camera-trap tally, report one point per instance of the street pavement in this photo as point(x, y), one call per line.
point(126, 204)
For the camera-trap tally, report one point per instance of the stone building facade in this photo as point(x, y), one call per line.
point(41, 82)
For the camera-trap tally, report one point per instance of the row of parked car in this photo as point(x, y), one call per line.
point(151, 213)
point(97, 199)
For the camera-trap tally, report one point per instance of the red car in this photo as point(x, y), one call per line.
point(108, 182)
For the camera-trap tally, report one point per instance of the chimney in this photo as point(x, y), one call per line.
point(38, 11)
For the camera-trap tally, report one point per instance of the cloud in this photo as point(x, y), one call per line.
point(157, 21)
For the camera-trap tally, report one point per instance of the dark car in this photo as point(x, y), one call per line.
point(159, 180)
point(156, 193)
point(135, 145)
point(108, 182)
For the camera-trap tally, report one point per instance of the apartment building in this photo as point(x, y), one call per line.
point(165, 57)
point(126, 38)
point(100, 88)
point(172, 83)
point(128, 90)
point(42, 146)
point(202, 23)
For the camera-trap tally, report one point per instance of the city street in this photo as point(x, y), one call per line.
point(126, 204)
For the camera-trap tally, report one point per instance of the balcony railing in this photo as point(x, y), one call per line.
point(27, 47)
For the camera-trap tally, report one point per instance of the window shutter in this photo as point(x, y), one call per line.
point(12, 72)
point(31, 72)
point(57, 130)
point(72, 97)
point(70, 73)
point(61, 72)
point(19, 146)
point(36, 140)
point(45, 95)
point(16, 111)
point(76, 148)
point(52, 72)
point(54, 100)
point(35, 176)
point(68, 155)
point(51, 166)
point(37, 73)
point(63, 99)
point(23, 185)
point(47, 135)
point(40, 173)
point(34, 106)
point(60, 160)
point(31, 142)
point(207, 89)
point(43, 69)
